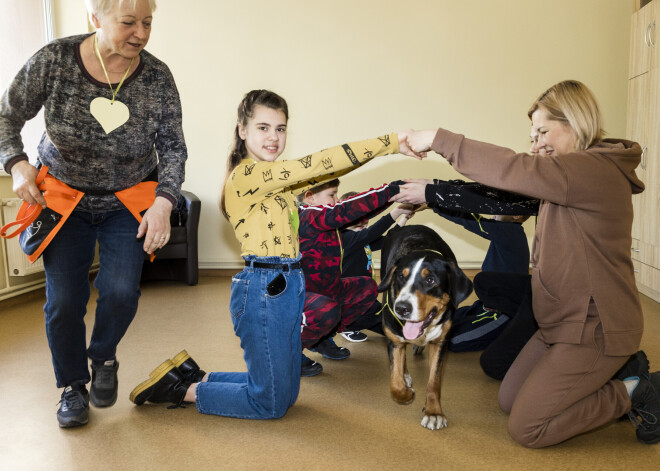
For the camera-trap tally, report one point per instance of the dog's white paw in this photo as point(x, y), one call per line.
point(408, 379)
point(434, 422)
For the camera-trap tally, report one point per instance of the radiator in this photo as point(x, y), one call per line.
point(17, 262)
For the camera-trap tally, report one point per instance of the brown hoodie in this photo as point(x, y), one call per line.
point(582, 241)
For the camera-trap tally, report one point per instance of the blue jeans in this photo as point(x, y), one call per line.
point(269, 329)
point(67, 261)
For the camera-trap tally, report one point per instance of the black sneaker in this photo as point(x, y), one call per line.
point(329, 349)
point(74, 406)
point(354, 336)
point(310, 367)
point(165, 384)
point(103, 392)
point(637, 365)
point(645, 410)
point(188, 367)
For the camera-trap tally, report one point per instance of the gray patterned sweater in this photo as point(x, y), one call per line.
point(75, 147)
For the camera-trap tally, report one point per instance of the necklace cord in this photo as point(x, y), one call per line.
point(98, 54)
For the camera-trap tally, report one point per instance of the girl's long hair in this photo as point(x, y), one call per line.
point(245, 112)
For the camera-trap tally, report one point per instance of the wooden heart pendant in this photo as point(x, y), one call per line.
point(109, 115)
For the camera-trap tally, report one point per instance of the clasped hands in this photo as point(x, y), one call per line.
point(415, 144)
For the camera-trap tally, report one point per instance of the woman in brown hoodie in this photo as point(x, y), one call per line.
point(576, 373)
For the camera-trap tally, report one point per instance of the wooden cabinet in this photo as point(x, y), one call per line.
point(643, 40)
point(637, 130)
point(643, 126)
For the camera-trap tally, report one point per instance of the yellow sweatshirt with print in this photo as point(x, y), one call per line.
point(260, 195)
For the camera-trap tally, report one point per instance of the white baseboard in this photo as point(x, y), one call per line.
point(238, 265)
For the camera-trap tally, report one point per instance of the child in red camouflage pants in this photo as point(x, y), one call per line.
point(332, 302)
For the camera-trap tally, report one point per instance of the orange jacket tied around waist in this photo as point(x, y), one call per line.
point(37, 226)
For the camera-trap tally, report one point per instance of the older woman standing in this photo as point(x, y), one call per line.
point(113, 120)
point(581, 369)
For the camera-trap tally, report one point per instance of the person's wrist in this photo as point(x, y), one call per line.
point(164, 198)
point(16, 163)
point(429, 136)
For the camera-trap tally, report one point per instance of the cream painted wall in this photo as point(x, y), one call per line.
point(352, 69)
point(69, 17)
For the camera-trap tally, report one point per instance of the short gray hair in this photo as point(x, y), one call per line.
point(102, 7)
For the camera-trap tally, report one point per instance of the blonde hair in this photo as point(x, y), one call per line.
point(100, 8)
point(573, 103)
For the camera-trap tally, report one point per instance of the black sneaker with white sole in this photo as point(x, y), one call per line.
point(645, 411)
point(310, 367)
point(74, 406)
point(354, 336)
point(103, 392)
point(329, 349)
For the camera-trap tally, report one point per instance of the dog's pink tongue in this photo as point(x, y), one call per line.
point(412, 330)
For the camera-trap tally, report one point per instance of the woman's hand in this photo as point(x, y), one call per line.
point(23, 175)
point(156, 225)
point(421, 141)
point(404, 146)
point(413, 192)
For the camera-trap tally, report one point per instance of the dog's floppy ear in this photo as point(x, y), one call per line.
point(387, 281)
point(460, 285)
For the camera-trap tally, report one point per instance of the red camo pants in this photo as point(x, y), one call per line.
point(325, 313)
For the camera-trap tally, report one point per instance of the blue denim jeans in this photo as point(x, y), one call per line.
point(67, 261)
point(269, 329)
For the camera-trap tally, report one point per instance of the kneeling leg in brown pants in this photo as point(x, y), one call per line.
point(555, 392)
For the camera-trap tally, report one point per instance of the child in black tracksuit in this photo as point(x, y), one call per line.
point(476, 326)
point(499, 321)
point(358, 244)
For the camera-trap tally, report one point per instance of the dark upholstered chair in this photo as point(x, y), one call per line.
point(178, 259)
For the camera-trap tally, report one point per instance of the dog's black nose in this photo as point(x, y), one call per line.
point(403, 309)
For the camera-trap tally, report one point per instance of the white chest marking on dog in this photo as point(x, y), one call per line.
point(435, 332)
point(407, 295)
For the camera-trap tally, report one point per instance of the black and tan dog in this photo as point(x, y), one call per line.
point(422, 287)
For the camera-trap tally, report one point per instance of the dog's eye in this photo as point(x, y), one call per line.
point(430, 280)
point(402, 276)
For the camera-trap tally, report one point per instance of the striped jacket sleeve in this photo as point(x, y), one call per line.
point(316, 219)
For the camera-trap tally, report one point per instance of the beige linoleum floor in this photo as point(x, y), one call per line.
point(344, 419)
